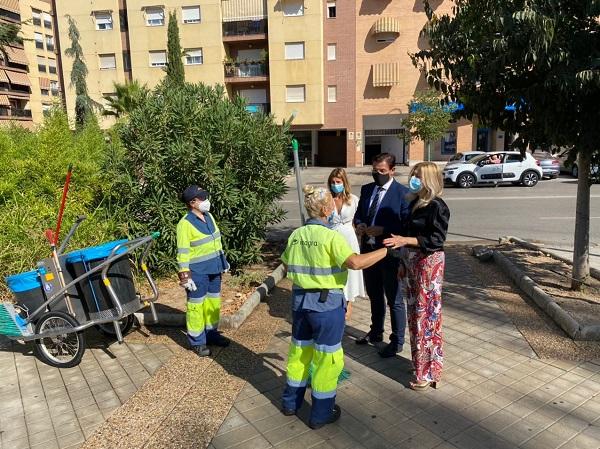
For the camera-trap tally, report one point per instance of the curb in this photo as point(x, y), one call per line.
point(227, 322)
point(594, 272)
point(546, 302)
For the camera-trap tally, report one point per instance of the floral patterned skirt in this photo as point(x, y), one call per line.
point(423, 290)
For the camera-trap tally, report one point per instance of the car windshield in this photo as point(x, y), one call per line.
point(468, 157)
point(478, 158)
point(456, 157)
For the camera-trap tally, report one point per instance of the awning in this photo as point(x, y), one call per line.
point(16, 55)
point(10, 5)
point(386, 74)
point(4, 100)
point(44, 83)
point(238, 10)
point(386, 25)
point(3, 77)
point(18, 78)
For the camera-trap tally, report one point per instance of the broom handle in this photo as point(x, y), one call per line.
point(63, 200)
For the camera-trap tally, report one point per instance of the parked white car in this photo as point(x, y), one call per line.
point(509, 166)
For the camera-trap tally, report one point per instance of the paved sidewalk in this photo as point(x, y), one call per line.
point(495, 392)
point(44, 407)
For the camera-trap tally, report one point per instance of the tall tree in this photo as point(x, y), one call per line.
point(541, 58)
point(83, 103)
point(10, 34)
point(427, 119)
point(175, 69)
point(128, 96)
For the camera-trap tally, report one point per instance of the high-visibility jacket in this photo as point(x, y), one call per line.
point(199, 247)
point(315, 256)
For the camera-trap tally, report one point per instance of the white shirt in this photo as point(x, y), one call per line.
point(385, 187)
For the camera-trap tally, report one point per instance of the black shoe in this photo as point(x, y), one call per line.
point(369, 338)
point(288, 411)
point(201, 350)
point(335, 415)
point(219, 340)
point(390, 350)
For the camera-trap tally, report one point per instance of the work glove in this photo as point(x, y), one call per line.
point(189, 285)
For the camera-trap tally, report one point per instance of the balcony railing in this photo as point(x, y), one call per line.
point(245, 28)
point(246, 70)
point(255, 108)
point(13, 112)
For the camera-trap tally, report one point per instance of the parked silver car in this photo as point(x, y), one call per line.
point(573, 168)
point(549, 164)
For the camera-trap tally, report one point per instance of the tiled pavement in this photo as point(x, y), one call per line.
point(495, 392)
point(44, 407)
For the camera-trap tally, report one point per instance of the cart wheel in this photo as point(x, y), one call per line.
point(64, 350)
point(108, 329)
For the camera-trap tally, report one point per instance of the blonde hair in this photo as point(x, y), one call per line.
point(315, 200)
point(341, 173)
point(431, 180)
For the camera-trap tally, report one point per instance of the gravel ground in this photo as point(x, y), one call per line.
point(185, 402)
point(544, 336)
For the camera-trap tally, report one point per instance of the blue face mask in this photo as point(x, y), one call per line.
point(337, 188)
point(415, 185)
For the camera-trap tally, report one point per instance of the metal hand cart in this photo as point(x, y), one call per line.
point(91, 287)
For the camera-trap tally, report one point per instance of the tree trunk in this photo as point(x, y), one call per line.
point(581, 250)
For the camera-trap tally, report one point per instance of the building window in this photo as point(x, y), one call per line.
point(37, 17)
point(193, 56)
point(41, 64)
point(294, 50)
point(39, 40)
point(331, 94)
point(331, 12)
point(295, 94)
point(45, 92)
point(46, 109)
point(155, 17)
point(158, 58)
point(49, 43)
point(52, 65)
point(293, 8)
point(108, 61)
point(54, 87)
point(47, 20)
point(190, 14)
point(103, 20)
point(331, 50)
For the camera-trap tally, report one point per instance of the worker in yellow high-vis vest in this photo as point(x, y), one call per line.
point(317, 259)
point(201, 262)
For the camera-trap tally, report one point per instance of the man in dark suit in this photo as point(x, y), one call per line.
point(383, 210)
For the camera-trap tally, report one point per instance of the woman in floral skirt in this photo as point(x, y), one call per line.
point(421, 272)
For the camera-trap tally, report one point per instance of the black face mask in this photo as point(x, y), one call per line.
point(380, 179)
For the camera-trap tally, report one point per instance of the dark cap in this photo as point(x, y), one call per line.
point(193, 192)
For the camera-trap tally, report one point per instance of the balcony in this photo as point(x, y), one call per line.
point(245, 30)
point(255, 108)
point(246, 72)
point(14, 113)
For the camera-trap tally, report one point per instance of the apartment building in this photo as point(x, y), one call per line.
point(340, 69)
point(29, 81)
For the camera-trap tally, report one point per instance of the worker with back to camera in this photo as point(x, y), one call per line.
point(317, 259)
point(201, 263)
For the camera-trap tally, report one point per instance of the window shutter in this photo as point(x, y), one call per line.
point(331, 52)
point(294, 94)
point(108, 61)
point(294, 50)
point(158, 58)
point(293, 8)
point(331, 94)
point(103, 21)
point(190, 14)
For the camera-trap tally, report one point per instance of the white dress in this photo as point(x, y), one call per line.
point(342, 223)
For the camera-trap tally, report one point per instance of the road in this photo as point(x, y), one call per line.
point(544, 213)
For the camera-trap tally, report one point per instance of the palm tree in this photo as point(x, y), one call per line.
point(127, 97)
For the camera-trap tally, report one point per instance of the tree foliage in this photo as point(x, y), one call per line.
point(191, 134)
point(175, 69)
point(427, 119)
point(84, 105)
point(539, 57)
point(10, 34)
point(128, 96)
point(34, 166)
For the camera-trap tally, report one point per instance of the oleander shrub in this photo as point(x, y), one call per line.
point(192, 134)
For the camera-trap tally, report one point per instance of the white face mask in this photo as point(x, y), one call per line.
point(204, 206)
